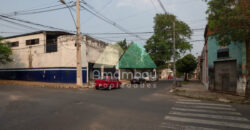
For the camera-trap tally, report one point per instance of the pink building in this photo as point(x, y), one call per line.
point(204, 62)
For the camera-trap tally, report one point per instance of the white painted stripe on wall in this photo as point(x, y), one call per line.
point(208, 122)
point(212, 107)
point(221, 117)
point(205, 111)
point(207, 104)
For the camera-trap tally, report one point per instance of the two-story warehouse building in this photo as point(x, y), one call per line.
point(49, 56)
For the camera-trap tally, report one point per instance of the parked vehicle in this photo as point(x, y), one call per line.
point(154, 78)
point(150, 78)
point(107, 83)
point(137, 80)
point(170, 77)
point(147, 78)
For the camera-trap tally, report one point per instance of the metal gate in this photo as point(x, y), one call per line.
point(248, 68)
point(248, 89)
point(225, 74)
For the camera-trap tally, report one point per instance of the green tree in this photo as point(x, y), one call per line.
point(229, 21)
point(186, 65)
point(123, 44)
point(160, 45)
point(5, 52)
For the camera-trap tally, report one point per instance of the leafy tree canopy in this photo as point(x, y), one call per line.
point(186, 65)
point(229, 20)
point(5, 52)
point(160, 45)
point(123, 44)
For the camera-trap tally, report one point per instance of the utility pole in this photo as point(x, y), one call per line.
point(174, 49)
point(174, 54)
point(78, 47)
point(78, 42)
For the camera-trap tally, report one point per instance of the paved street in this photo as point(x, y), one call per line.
point(128, 108)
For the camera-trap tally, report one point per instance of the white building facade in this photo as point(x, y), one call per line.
point(49, 56)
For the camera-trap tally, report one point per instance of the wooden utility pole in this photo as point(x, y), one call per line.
point(78, 43)
point(174, 49)
point(174, 54)
point(78, 47)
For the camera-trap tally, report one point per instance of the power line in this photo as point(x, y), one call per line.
point(11, 32)
point(111, 22)
point(69, 8)
point(163, 8)
point(104, 18)
point(19, 24)
point(138, 33)
point(119, 33)
point(126, 33)
point(154, 5)
point(129, 36)
point(106, 5)
point(106, 39)
point(38, 12)
point(134, 15)
point(13, 27)
point(32, 23)
point(30, 10)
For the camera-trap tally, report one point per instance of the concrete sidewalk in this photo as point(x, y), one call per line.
point(194, 89)
point(41, 84)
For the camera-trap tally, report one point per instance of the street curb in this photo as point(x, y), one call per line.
point(222, 100)
point(42, 84)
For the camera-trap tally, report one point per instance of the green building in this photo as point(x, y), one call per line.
point(224, 67)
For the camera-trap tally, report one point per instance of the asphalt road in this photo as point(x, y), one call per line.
point(129, 108)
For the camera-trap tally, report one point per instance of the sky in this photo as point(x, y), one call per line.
point(133, 15)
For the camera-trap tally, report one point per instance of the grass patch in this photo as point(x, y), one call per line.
point(184, 82)
point(177, 91)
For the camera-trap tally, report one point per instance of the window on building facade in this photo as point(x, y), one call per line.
point(13, 44)
point(51, 45)
point(32, 41)
point(223, 53)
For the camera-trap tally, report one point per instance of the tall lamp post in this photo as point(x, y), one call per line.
point(78, 43)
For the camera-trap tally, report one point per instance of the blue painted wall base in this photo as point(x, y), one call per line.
point(56, 75)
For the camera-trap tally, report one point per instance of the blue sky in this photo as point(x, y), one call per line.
point(134, 15)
